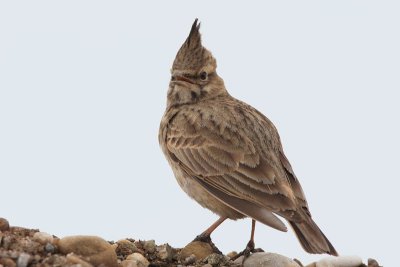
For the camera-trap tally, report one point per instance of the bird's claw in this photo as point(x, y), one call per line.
point(207, 239)
point(203, 238)
point(247, 251)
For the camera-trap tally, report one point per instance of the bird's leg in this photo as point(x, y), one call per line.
point(250, 245)
point(206, 235)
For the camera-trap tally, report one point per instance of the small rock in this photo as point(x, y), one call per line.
point(23, 260)
point(216, 259)
point(341, 261)
point(125, 247)
point(264, 259)
point(190, 260)
point(207, 265)
point(95, 249)
point(7, 241)
point(165, 252)
point(298, 262)
point(49, 248)
point(140, 260)
point(7, 262)
point(42, 238)
point(232, 254)
point(198, 248)
point(149, 246)
point(4, 225)
point(74, 259)
point(373, 263)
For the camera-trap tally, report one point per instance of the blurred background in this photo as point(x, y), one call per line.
point(83, 88)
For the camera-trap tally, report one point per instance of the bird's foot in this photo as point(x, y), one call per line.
point(207, 239)
point(250, 248)
point(203, 238)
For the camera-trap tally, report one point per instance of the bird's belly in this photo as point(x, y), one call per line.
point(203, 197)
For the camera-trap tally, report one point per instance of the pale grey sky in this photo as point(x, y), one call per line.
point(83, 87)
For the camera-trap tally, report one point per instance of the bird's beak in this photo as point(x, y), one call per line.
point(181, 78)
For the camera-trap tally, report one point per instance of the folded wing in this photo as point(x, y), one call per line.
point(230, 167)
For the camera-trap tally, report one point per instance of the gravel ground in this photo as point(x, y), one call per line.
point(21, 247)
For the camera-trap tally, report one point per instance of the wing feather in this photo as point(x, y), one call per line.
point(248, 208)
point(232, 160)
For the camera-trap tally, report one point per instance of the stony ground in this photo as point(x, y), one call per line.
point(21, 247)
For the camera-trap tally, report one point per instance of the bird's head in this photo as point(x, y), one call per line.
point(193, 73)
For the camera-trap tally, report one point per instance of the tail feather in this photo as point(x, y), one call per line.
point(311, 238)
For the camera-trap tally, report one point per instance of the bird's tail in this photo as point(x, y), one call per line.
point(311, 238)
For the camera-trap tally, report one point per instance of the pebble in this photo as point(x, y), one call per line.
point(341, 261)
point(149, 246)
point(190, 260)
point(7, 262)
point(7, 241)
point(264, 259)
point(49, 248)
point(97, 250)
point(232, 254)
point(373, 263)
point(216, 259)
point(298, 262)
point(43, 238)
point(125, 247)
point(197, 248)
point(23, 260)
point(4, 225)
point(165, 252)
point(139, 259)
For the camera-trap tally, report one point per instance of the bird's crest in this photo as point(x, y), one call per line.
point(192, 55)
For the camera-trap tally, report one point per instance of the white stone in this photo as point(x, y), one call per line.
point(264, 259)
point(341, 261)
point(23, 260)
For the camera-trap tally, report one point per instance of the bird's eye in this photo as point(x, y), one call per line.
point(203, 76)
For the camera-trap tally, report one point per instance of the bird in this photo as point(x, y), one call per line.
point(227, 155)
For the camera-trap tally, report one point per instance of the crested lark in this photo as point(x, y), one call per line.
point(227, 155)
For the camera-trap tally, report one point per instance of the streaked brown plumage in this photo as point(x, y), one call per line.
point(227, 155)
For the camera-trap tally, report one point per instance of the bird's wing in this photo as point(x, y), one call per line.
point(294, 183)
point(228, 162)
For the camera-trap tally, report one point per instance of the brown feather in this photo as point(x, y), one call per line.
point(312, 239)
point(250, 209)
